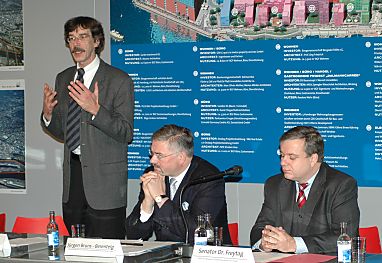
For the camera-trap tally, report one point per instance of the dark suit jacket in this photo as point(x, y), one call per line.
point(104, 140)
point(332, 199)
point(167, 222)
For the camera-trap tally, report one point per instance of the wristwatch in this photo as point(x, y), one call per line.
point(158, 199)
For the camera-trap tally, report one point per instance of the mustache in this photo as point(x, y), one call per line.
point(76, 49)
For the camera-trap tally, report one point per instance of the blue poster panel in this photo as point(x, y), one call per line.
point(239, 95)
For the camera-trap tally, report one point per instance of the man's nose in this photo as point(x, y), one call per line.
point(153, 159)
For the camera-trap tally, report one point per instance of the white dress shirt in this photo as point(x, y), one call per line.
point(90, 71)
point(146, 216)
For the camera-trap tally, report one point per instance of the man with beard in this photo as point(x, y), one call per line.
point(158, 209)
point(91, 112)
point(305, 204)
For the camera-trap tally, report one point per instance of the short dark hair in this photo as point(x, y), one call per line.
point(86, 23)
point(313, 140)
point(179, 138)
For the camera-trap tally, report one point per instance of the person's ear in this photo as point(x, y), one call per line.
point(313, 159)
point(96, 42)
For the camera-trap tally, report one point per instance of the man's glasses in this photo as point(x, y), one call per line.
point(81, 37)
point(160, 156)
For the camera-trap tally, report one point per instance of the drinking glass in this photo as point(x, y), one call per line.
point(358, 249)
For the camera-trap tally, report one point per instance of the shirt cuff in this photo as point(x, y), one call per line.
point(257, 245)
point(45, 121)
point(300, 245)
point(145, 216)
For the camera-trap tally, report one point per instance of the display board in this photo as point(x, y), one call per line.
point(238, 97)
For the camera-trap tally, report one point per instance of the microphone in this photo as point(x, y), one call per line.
point(187, 249)
point(233, 171)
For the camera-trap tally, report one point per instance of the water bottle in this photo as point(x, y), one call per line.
point(209, 229)
point(200, 237)
point(344, 245)
point(218, 236)
point(52, 233)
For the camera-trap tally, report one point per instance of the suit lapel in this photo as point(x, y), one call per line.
point(288, 205)
point(167, 184)
point(186, 179)
point(287, 189)
point(68, 78)
point(315, 193)
point(99, 77)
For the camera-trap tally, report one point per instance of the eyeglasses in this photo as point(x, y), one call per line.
point(160, 156)
point(81, 37)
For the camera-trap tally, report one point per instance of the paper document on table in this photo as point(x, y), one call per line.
point(5, 247)
point(93, 259)
point(148, 246)
point(32, 243)
point(261, 257)
point(18, 242)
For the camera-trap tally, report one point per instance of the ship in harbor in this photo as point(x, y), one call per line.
point(114, 34)
point(12, 174)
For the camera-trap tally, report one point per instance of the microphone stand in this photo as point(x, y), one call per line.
point(187, 249)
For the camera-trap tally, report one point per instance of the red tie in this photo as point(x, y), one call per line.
point(301, 195)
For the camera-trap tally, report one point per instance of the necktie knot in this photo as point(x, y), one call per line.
point(301, 199)
point(303, 186)
point(80, 74)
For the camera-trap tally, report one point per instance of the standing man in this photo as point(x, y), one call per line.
point(158, 208)
point(305, 204)
point(91, 111)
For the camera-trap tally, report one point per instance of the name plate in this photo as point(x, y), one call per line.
point(5, 246)
point(85, 249)
point(223, 254)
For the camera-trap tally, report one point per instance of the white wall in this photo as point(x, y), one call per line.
point(45, 56)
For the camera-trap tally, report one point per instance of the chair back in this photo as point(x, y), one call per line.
point(373, 242)
point(233, 229)
point(2, 222)
point(37, 225)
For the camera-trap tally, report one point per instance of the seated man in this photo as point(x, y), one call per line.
point(158, 208)
point(306, 220)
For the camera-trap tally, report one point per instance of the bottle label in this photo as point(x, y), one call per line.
point(344, 253)
point(53, 239)
point(201, 241)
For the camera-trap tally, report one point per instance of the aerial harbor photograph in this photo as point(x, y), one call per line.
point(229, 20)
point(11, 34)
point(12, 140)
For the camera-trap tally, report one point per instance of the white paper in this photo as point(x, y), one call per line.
point(18, 242)
point(87, 249)
point(202, 254)
point(5, 247)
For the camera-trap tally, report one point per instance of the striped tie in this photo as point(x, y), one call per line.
point(74, 118)
point(173, 187)
point(301, 199)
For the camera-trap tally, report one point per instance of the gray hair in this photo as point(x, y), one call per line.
point(178, 138)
